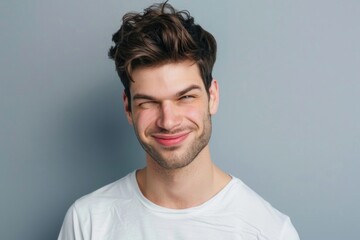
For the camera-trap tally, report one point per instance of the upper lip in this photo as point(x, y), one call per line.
point(169, 136)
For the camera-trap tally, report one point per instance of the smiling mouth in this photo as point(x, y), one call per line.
point(170, 140)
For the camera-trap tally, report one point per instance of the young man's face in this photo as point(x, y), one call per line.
point(171, 112)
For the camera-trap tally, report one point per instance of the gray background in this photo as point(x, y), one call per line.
point(288, 123)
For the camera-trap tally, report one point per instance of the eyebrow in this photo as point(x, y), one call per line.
point(143, 97)
point(188, 89)
point(140, 96)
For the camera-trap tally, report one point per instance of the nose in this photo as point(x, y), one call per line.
point(169, 116)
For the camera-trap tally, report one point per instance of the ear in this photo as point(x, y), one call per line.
point(213, 97)
point(127, 108)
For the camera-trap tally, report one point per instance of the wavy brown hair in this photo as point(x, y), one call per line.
point(160, 35)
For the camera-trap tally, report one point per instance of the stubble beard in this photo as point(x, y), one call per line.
point(168, 157)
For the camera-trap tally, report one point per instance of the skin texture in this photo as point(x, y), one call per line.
point(171, 115)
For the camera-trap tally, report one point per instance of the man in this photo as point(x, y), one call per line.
point(165, 63)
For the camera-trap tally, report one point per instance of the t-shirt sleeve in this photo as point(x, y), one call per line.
point(289, 232)
point(71, 228)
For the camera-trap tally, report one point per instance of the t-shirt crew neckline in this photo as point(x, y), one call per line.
point(202, 207)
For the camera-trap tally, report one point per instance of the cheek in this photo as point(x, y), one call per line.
point(144, 119)
point(196, 114)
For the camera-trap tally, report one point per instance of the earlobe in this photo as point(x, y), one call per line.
point(127, 108)
point(213, 97)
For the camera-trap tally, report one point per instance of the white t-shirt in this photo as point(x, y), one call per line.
point(120, 211)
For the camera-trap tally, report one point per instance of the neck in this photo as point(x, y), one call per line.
point(186, 187)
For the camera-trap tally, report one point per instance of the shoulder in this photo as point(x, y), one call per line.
point(258, 214)
point(118, 192)
point(98, 209)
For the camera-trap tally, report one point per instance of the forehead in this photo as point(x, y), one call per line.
point(166, 79)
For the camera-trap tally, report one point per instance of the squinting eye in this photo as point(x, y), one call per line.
point(149, 104)
point(187, 97)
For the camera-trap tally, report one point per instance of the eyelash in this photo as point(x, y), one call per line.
point(182, 98)
point(187, 97)
point(145, 104)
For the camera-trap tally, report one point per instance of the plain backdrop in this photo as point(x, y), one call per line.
point(288, 124)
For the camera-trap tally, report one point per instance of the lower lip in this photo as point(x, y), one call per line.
point(171, 141)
